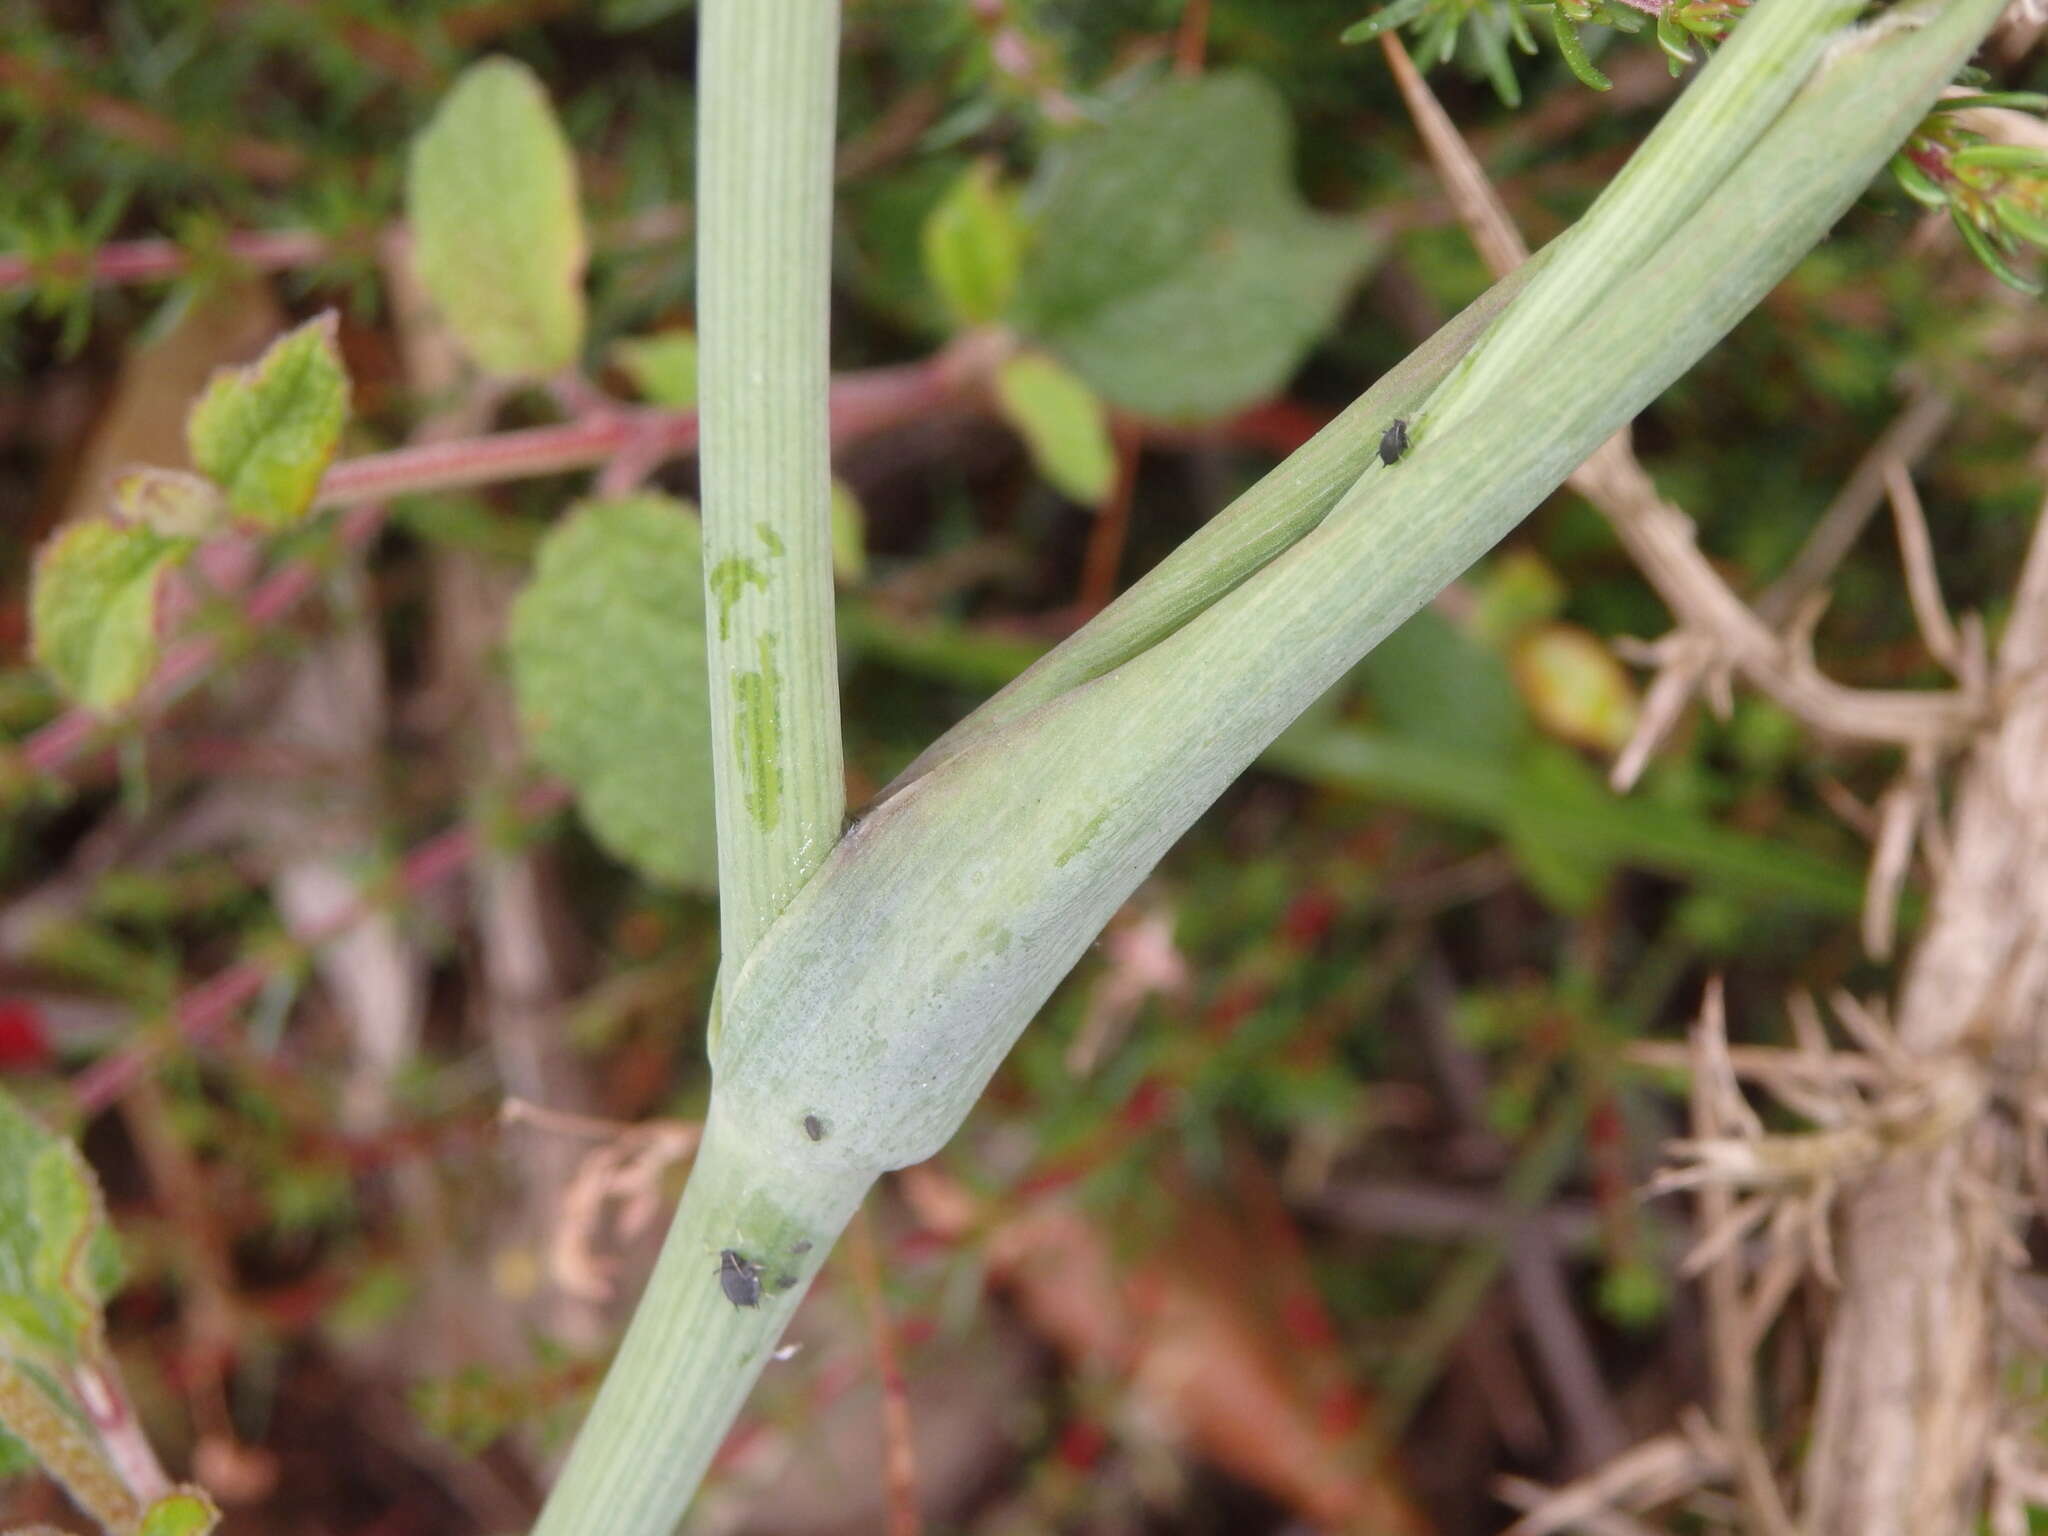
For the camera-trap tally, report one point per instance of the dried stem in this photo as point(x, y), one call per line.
point(899, 1451)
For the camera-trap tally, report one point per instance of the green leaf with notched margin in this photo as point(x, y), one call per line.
point(1062, 422)
point(265, 434)
point(58, 1262)
point(92, 607)
point(973, 245)
point(608, 662)
point(498, 242)
point(58, 1266)
point(1174, 264)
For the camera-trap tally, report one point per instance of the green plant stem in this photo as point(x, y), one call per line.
point(886, 995)
point(1242, 539)
point(1484, 789)
point(903, 972)
point(768, 72)
point(653, 1430)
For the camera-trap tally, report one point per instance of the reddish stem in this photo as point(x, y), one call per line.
point(204, 1010)
point(861, 403)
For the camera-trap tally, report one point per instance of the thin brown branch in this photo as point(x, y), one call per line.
point(1485, 217)
point(51, 90)
point(1191, 44)
point(202, 1012)
point(1111, 530)
point(1714, 1095)
point(1919, 424)
point(899, 1451)
point(1659, 537)
point(1923, 582)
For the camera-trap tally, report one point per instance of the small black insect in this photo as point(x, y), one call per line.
point(814, 1128)
point(740, 1280)
point(1394, 441)
point(801, 1245)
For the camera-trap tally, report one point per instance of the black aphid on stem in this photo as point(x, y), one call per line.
point(1394, 441)
point(740, 1280)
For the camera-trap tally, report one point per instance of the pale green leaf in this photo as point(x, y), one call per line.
point(497, 232)
point(1575, 687)
point(663, 367)
point(1176, 266)
point(93, 604)
point(608, 662)
point(973, 244)
point(265, 434)
point(1062, 422)
point(182, 1512)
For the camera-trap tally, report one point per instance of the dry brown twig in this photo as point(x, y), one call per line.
point(621, 1176)
point(1912, 1143)
point(1606, 1503)
point(1719, 637)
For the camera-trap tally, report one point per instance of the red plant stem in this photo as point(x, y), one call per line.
point(57, 92)
point(861, 403)
point(899, 1455)
point(276, 250)
point(54, 747)
point(204, 1010)
point(144, 261)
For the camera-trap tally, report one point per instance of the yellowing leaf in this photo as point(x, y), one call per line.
point(1575, 688)
point(498, 239)
point(92, 608)
point(265, 434)
point(170, 502)
point(608, 664)
point(973, 246)
point(1062, 422)
point(663, 367)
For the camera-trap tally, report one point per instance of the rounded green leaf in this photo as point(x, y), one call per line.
point(1062, 422)
point(607, 648)
point(974, 246)
point(1175, 265)
point(497, 233)
point(265, 434)
point(92, 608)
point(663, 367)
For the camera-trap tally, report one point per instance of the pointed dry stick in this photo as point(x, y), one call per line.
point(1923, 583)
point(1733, 1365)
point(1660, 537)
